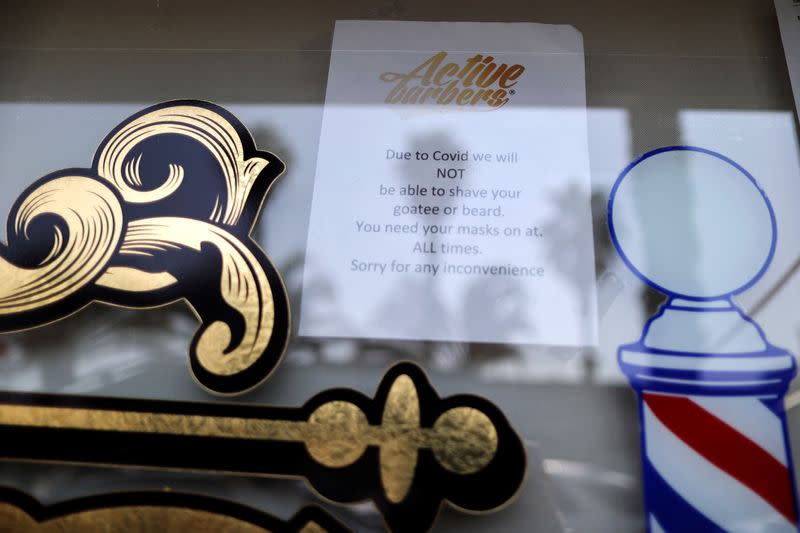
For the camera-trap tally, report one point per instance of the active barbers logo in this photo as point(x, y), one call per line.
point(479, 81)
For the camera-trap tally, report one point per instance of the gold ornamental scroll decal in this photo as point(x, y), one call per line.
point(148, 512)
point(407, 450)
point(164, 213)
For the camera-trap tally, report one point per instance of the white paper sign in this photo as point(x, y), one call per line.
point(452, 194)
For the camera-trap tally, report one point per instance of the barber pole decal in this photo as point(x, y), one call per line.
point(715, 447)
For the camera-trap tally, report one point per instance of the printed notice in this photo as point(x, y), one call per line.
point(452, 193)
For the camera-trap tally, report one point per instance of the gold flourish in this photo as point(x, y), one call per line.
point(203, 125)
point(244, 286)
point(93, 218)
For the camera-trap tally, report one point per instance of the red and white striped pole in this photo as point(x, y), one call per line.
point(715, 449)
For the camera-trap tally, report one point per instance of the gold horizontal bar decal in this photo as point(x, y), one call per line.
point(336, 434)
point(396, 446)
point(143, 422)
point(341, 420)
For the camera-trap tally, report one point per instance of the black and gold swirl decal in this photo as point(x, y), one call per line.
point(163, 214)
